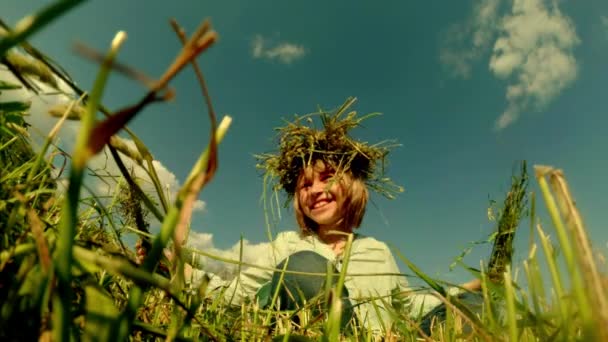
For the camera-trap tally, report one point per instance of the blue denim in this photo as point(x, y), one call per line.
point(296, 289)
point(300, 288)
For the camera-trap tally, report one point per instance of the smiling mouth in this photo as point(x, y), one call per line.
point(321, 203)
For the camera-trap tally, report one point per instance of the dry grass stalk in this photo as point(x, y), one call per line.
point(584, 249)
point(25, 65)
point(41, 243)
point(60, 110)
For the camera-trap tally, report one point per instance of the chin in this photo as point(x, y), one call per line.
point(325, 221)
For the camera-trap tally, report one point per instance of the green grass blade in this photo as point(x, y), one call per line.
point(123, 322)
point(555, 275)
point(333, 324)
point(432, 283)
point(565, 241)
point(69, 221)
point(510, 301)
point(29, 25)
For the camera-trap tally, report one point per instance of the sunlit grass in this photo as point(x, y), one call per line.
point(66, 270)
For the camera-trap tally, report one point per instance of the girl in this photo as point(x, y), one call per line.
point(326, 174)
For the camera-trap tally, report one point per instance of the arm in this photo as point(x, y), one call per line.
point(415, 303)
point(246, 283)
point(473, 285)
point(418, 303)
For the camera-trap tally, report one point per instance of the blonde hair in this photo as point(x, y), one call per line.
point(352, 208)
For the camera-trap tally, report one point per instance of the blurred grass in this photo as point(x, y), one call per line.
point(67, 272)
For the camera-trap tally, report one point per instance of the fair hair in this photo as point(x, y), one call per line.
point(352, 208)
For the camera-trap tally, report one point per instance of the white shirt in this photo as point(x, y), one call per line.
point(368, 256)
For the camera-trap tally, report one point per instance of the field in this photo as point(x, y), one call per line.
point(69, 268)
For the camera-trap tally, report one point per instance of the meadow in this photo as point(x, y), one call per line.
point(69, 269)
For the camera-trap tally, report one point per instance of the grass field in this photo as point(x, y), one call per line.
point(67, 271)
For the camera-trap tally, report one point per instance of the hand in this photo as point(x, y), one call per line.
point(473, 285)
point(168, 254)
point(140, 251)
point(188, 270)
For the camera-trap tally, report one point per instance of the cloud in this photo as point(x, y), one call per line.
point(535, 52)
point(532, 49)
point(102, 164)
point(283, 52)
point(465, 43)
point(105, 183)
point(204, 242)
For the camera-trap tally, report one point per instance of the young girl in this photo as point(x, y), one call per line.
point(327, 174)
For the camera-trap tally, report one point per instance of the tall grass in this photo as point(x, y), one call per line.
point(67, 271)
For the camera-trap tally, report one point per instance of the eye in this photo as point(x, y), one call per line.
point(326, 176)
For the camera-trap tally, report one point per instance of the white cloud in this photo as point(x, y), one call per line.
point(532, 50)
point(283, 52)
point(535, 52)
point(103, 164)
point(106, 166)
point(257, 47)
point(42, 123)
point(204, 242)
point(466, 42)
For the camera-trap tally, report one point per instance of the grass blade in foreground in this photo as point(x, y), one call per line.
point(69, 221)
point(162, 239)
point(29, 25)
point(565, 241)
point(588, 287)
point(586, 259)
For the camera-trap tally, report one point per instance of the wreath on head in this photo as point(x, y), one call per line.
point(301, 144)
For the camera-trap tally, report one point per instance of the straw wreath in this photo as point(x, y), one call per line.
point(301, 144)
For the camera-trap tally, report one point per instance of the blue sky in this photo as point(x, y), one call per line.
point(468, 88)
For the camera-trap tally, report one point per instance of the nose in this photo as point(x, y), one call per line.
point(318, 186)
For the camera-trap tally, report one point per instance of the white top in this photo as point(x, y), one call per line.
point(368, 256)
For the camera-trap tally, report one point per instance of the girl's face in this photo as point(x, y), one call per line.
point(320, 195)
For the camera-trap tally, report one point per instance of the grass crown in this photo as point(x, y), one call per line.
point(301, 144)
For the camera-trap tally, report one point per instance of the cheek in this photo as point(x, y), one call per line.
point(339, 192)
point(302, 197)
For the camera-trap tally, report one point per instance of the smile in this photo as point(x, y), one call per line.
point(321, 203)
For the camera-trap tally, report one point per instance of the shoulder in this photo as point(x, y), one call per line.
point(369, 248)
point(288, 240)
point(370, 255)
point(288, 236)
point(368, 242)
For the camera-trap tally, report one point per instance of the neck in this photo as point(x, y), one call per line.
point(326, 235)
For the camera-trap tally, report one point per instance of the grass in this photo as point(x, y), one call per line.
point(67, 271)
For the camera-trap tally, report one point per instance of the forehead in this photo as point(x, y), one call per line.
point(319, 167)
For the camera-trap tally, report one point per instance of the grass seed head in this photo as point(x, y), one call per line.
point(301, 144)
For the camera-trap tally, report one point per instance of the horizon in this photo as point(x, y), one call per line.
point(467, 90)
